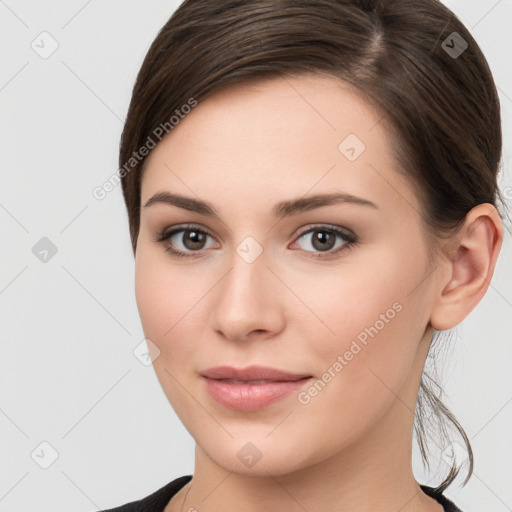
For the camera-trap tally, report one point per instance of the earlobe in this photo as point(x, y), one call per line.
point(470, 268)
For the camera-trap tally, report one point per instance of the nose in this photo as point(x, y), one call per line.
point(248, 302)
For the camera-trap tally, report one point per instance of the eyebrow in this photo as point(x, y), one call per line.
point(280, 210)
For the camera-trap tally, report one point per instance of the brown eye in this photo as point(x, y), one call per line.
point(193, 239)
point(185, 241)
point(326, 241)
point(323, 240)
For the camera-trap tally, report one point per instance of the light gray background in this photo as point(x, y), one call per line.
point(69, 326)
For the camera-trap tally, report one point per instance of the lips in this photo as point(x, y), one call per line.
point(252, 388)
point(252, 373)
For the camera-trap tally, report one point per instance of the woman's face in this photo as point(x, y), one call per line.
point(335, 293)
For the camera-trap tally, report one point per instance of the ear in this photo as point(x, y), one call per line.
point(469, 267)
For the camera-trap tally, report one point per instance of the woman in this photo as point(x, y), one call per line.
point(312, 195)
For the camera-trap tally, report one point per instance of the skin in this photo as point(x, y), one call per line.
point(243, 150)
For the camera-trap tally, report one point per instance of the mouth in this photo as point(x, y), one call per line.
point(252, 388)
point(251, 373)
point(252, 382)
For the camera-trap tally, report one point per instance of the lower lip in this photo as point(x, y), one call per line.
point(251, 397)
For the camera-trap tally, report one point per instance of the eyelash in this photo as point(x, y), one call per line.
point(349, 239)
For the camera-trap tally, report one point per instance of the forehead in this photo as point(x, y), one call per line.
point(285, 136)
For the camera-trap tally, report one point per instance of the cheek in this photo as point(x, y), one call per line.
point(171, 300)
point(162, 298)
point(165, 304)
point(356, 299)
point(361, 375)
point(377, 324)
point(153, 299)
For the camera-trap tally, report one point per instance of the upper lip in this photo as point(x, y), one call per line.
point(251, 373)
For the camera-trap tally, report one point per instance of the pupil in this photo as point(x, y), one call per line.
point(196, 239)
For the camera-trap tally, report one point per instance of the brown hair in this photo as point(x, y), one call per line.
point(437, 95)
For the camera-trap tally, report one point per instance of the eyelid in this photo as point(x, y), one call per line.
point(328, 227)
point(171, 230)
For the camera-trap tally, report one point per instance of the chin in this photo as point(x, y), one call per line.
point(255, 455)
point(272, 462)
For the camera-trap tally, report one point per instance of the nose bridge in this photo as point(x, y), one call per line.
point(245, 301)
point(248, 268)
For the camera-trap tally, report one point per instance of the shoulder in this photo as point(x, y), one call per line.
point(448, 505)
point(155, 502)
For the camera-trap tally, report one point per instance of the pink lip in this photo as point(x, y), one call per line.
point(225, 386)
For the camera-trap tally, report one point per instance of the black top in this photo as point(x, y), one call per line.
point(157, 501)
